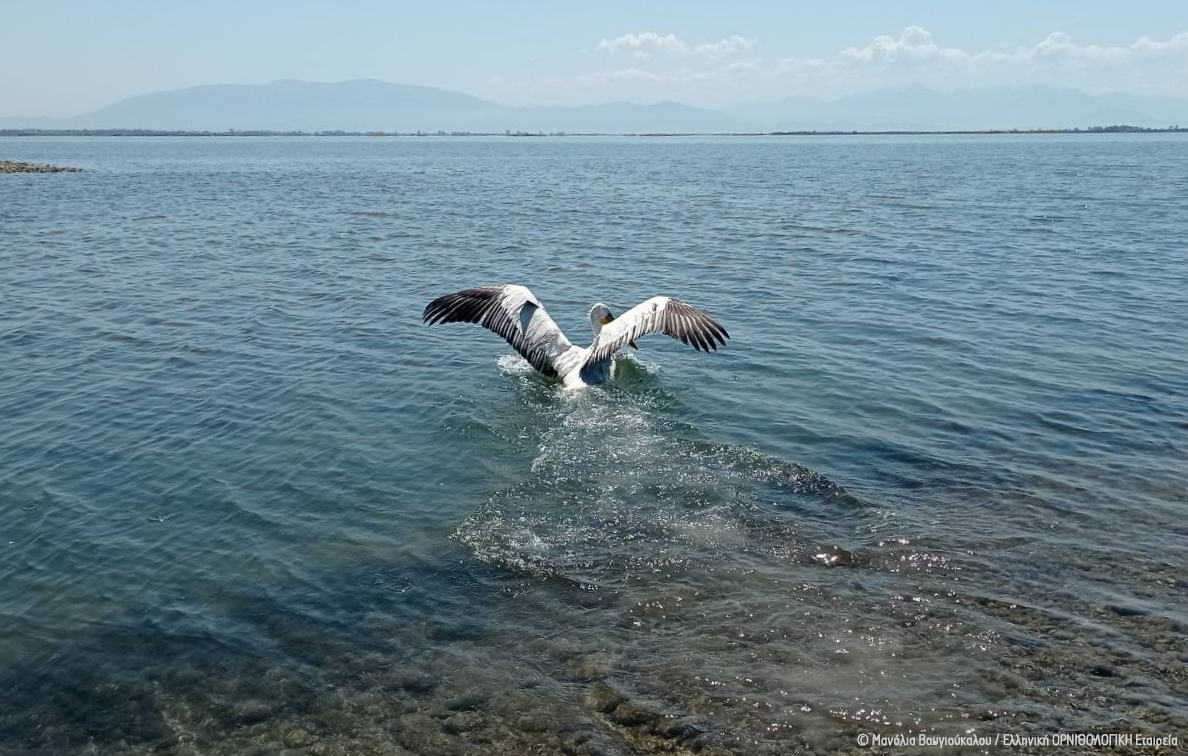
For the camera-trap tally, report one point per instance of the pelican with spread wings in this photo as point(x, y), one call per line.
point(517, 315)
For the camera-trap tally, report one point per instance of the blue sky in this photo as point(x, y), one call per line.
point(63, 57)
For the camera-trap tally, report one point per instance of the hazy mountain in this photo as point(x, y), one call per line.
point(920, 108)
point(370, 105)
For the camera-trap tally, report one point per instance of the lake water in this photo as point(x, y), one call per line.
point(936, 482)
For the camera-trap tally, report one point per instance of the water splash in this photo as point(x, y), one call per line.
point(618, 492)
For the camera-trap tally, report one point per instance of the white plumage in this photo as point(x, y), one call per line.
point(517, 315)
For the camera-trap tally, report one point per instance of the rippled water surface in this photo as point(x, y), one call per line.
point(936, 482)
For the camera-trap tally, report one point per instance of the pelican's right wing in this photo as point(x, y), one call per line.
point(665, 315)
point(511, 311)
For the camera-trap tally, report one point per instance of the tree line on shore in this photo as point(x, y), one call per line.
point(1114, 129)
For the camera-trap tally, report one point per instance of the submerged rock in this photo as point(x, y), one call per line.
point(629, 714)
point(603, 698)
point(251, 711)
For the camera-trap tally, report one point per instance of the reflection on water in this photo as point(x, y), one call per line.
point(935, 483)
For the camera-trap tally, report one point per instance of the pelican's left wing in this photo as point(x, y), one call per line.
point(665, 315)
point(511, 311)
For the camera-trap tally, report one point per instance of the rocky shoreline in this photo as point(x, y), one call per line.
point(10, 166)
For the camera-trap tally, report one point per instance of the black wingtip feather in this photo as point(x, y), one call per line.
point(484, 306)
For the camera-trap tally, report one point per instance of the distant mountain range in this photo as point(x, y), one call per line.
point(370, 105)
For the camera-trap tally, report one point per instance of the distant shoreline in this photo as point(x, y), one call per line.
point(1118, 129)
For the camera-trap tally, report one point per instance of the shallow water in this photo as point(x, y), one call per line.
point(936, 482)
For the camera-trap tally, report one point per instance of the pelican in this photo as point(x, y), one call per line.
point(517, 315)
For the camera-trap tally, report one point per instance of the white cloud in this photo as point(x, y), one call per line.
point(914, 47)
point(1060, 46)
point(1176, 45)
point(646, 43)
point(726, 46)
point(667, 67)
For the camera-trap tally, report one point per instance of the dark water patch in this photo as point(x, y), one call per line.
point(381, 675)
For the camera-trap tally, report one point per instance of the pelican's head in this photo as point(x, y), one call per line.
point(600, 315)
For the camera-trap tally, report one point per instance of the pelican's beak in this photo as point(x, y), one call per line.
point(606, 319)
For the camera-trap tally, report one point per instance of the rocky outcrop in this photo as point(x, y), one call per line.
point(9, 166)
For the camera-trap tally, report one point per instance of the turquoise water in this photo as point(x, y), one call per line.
point(937, 480)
